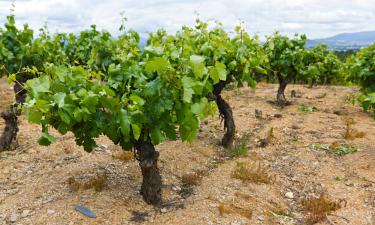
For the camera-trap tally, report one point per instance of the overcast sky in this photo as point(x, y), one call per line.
point(316, 18)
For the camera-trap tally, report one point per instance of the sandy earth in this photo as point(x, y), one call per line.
point(36, 182)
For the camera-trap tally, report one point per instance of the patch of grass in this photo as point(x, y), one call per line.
point(239, 150)
point(351, 99)
point(231, 208)
point(319, 146)
point(336, 148)
point(268, 139)
point(307, 109)
point(96, 181)
point(191, 179)
point(318, 208)
point(337, 178)
point(253, 173)
point(345, 149)
point(350, 133)
point(272, 206)
point(124, 155)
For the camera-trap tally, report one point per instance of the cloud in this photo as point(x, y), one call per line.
point(313, 17)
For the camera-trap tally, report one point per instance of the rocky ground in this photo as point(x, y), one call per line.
point(288, 157)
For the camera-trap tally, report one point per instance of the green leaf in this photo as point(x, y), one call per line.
point(136, 131)
point(46, 139)
point(39, 85)
point(187, 84)
point(64, 116)
point(34, 116)
point(198, 66)
point(136, 99)
point(42, 105)
point(60, 99)
point(156, 136)
point(218, 72)
point(11, 78)
point(77, 113)
point(201, 108)
point(158, 65)
point(189, 129)
point(124, 123)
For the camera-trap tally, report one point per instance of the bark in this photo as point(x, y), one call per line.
point(280, 98)
point(11, 115)
point(313, 83)
point(148, 161)
point(226, 113)
point(11, 128)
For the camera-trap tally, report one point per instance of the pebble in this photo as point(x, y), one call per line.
point(13, 218)
point(25, 213)
point(296, 127)
point(163, 210)
point(289, 195)
point(260, 218)
point(176, 188)
point(50, 212)
point(236, 223)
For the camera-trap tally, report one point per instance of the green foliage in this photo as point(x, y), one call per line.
point(361, 69)
point(336, 148)
point(307, 109)
point(240, 150)
point(320, 65)
point(345, 149)
point(145, 94)
point(284, 55)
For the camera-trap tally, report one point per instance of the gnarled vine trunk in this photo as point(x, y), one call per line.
point(148, 161)
point(280, 97)
point(11, 128)
point(226, 113)
point(11, 115)
point(313, 83)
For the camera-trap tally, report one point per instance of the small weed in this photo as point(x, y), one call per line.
point(96, 181)
point(345, 149)
point(336, 148)
point(307, 109)
point(337, 178)
point(319, 147)
point(240, 149)
point(254, 174)
point(350, 133)
point(230, 208)
point(238, 92)
point(124, 155)
point(319, 208)
point(268, 139)
point(352, 99)
point(191, 179)
point(271, 206)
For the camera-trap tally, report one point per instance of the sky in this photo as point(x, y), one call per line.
point(316, 18)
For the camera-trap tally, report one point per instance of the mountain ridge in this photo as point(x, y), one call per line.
point(345, 41)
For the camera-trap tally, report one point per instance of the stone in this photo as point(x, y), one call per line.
point(289, 195)
point(176, 188)
point(25, 213)
point(296, 127)
point(163, 210)
point(13, 217)
point(50, 212)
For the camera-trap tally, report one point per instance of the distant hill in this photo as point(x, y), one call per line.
point(346, 41)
